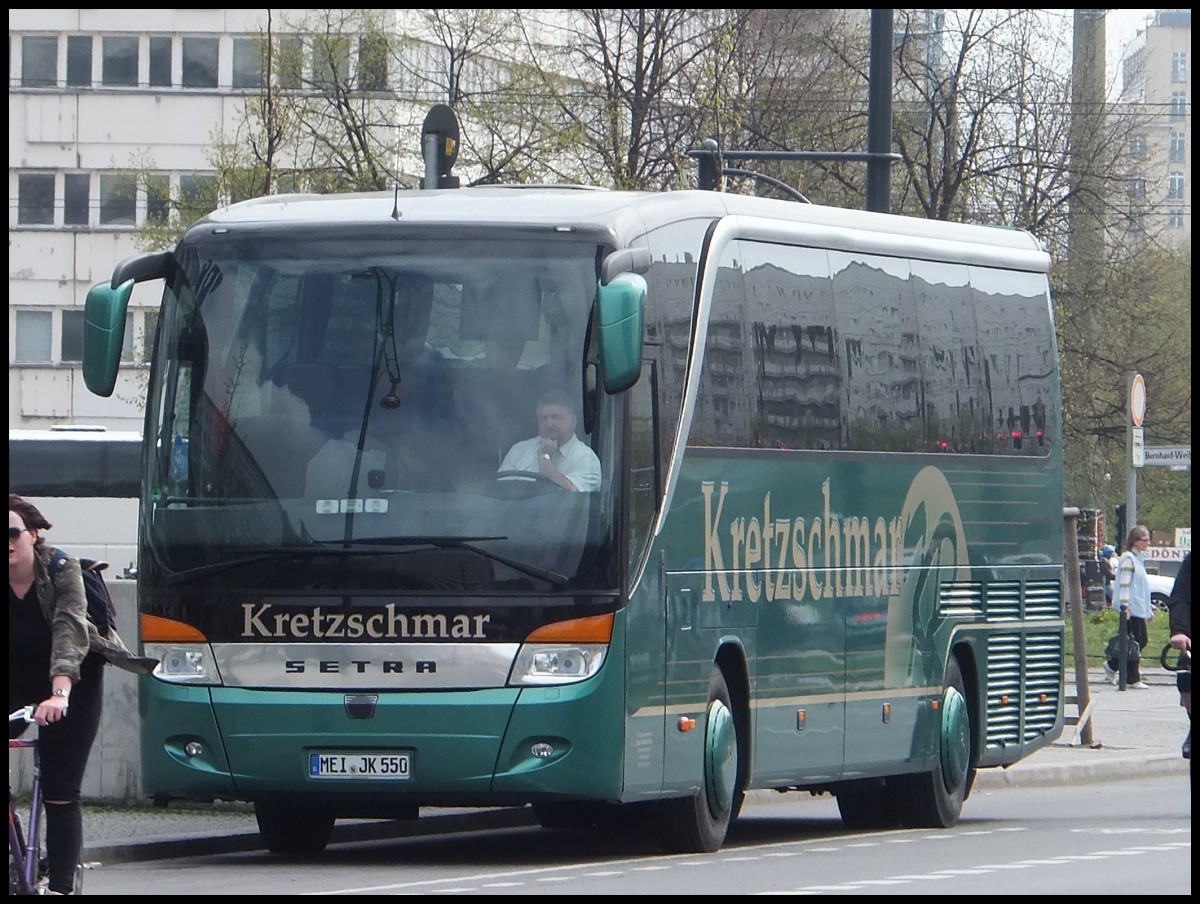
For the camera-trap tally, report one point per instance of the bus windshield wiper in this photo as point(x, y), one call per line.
point(558, 581)
point(367, 546)
point(285, 552)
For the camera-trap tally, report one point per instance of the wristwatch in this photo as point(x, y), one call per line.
point(546, 455)
point(59, 692)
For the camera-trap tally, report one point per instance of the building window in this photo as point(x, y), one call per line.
point(35, 199)
point(1178, 104)
point(1175, 218)
point(71, 342)
point(1175, 187)
point(200, 62)
point(118, 201)
point(1137, 146)
point(197, 197)
point(289, 62)
point(120, 62)
point(372, 63)
point(79, 61)
point(146, 338)
point(160, 62)
point(70, 348)
point(289, 182)
point(76, 199)
point(33, 337)
point(158, 199)
point(1179, 66)
point(39, 62)
point(247, 62)
point(1175, 152)
point(331, 61)
point(1137, 188)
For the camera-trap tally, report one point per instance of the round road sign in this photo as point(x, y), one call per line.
point(1137, 400)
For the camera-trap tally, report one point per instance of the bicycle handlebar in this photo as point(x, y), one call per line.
point(1183, 662)
point(24, 714)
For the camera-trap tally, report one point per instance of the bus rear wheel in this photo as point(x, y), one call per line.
point(935, 799)
point(698, 824)
point(293, 828)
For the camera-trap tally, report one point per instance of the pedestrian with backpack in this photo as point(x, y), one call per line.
point(56, 659)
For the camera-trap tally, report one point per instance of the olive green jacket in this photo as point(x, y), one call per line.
point(72, 635)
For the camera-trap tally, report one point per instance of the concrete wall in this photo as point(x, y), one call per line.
point(114, 772)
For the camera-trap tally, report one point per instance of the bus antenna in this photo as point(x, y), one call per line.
point(396, 202)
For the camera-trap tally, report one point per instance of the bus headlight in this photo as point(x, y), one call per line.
point(184, 664)
point(544, 663)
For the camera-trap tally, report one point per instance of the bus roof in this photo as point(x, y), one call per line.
point(623, 215)
point(77, 434)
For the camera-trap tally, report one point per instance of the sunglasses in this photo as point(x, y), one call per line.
point(14, 533)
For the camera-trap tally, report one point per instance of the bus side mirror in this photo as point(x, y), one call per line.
point(619, 311)
point(104, 335)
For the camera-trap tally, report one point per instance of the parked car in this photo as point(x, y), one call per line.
point(1161, 573)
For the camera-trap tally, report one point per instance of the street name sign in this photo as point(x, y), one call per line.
point(1168, 456)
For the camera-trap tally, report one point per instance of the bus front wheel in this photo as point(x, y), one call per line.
point(293, 828)
point(698, 824)
point(934, 799)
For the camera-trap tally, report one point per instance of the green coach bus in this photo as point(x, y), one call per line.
point(824, 551)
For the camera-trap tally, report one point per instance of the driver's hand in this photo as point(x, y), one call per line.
point(547, 446)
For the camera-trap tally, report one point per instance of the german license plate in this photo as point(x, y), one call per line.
point(360, 765)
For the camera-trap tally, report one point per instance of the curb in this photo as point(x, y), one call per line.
point(1091, 770)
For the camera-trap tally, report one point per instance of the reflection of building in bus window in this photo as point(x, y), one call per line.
point(312, 384)
point(331, 469)
point(413, 426)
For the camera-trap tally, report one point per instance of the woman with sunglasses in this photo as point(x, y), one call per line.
point(56, 660)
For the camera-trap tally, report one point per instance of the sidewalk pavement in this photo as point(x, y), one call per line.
point(1134, 732)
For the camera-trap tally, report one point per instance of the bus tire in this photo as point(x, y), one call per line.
point(698, 824)
point(868, 805)
point(934, 799)
point(293, 828)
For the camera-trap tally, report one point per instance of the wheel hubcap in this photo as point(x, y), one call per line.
point(956, 740)
point(720, 757)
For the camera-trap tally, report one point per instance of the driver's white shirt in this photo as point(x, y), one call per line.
point(575, 459)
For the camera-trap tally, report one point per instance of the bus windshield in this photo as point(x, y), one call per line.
point(334, 413)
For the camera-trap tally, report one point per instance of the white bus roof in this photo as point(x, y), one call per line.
point(75, 434)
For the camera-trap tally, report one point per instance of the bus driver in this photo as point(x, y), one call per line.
point(556, 452)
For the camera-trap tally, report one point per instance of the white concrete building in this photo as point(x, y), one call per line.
point(1156, 76)
point(97, 97)
point(92, 94)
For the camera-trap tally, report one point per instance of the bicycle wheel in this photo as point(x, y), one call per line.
point(16, 848)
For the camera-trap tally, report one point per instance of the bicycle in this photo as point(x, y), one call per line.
point(1182, 667)
point(26, 868)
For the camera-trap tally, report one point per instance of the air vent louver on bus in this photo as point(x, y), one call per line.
point(1004, 600)
point(961, 599)
point(1014, 716)
point(1043, 599)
